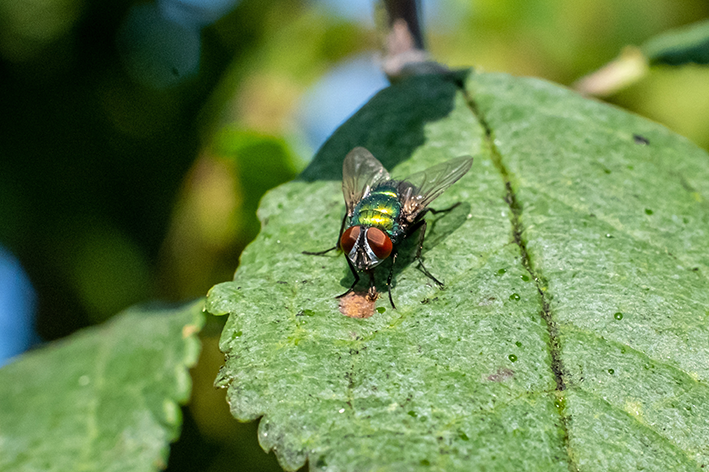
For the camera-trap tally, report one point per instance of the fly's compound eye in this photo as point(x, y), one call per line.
point(379, 242)
point(349, 238)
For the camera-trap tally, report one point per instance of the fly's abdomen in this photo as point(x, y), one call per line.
point(380, 208)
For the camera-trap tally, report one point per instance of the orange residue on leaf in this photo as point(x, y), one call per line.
point(358, 305)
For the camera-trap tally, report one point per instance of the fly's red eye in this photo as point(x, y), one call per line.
point(379, 242)
point(349, 238)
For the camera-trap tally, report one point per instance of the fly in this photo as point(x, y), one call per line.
point(381, 212)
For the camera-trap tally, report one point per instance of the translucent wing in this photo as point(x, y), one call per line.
point(424, 187)
point(361, 172)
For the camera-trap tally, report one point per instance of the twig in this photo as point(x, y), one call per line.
point(404, 53)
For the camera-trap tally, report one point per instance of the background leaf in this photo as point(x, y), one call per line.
point(105, 398)
point(676, 47)
point(572, 329)
point(689, 44)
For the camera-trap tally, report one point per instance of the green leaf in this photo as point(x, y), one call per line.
point(680, 46)
point(572, 330)
point(685, 45)
point(260, 162)
point(105, 398)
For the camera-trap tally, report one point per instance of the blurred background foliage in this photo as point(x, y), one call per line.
point(137, 138)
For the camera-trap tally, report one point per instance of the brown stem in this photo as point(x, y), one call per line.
point(404, 48)
point(405, 13)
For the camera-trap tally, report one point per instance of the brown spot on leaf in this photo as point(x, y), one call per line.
point(501, 375)
point(358, 305)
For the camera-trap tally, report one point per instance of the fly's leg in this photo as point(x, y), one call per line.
point(422, 225)
point(422, 235)
point(372, 292)
point(336, 246)
point(391, 273)
point(319, 253)
point(356, 276)
point(445, 210)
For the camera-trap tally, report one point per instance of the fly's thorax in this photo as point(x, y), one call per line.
point(381, 208)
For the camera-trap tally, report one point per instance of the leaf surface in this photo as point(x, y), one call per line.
point(103, 399)
point(572, 330)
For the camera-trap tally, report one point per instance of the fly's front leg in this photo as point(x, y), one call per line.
point(422, 235)
point(337, 244)
point(356, 276)
point(372, 293)
point(320, 253)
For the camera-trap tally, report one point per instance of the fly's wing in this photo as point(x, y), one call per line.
point(424, 187)
point(361, 172)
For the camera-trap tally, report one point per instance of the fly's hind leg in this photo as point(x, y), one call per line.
point(444, 210)
point(422, 235)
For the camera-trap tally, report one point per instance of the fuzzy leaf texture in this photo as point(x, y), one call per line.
point(572, 332)
point(104, 399)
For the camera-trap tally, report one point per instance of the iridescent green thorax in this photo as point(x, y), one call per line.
point(381, 208)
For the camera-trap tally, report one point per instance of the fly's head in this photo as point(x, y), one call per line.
point(365, 246)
